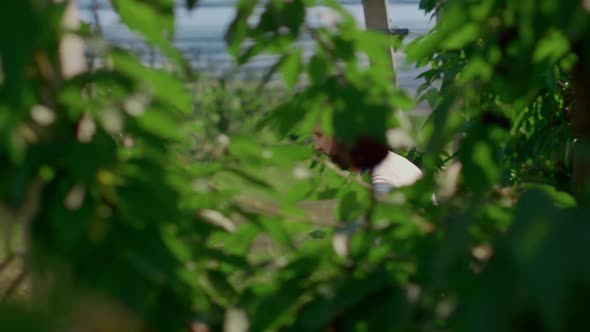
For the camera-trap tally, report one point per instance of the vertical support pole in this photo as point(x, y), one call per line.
point(377, 18)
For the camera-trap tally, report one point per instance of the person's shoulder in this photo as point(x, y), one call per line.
point(396, 170)
point(402, 163)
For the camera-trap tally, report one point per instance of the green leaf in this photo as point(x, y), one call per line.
point(158, 122)
point(216, 285)
point(239, 242)
point(319, 67)
point(377, 47)
point(277, 308)
point(477, 68)
point(298, 192)
point(350, 207)
point(238, 29)
point(291, 68)
point(318, 234)
point(421, 49)
point(552, 47)
point(273, 227)
point(271, 71)
point(155, 21)
point(560, 198)
point(293, 14)
point(300, 110)
point(431, 97)
point(250, 52)
point(465, 35)
point(246, 150)
point(163, 85)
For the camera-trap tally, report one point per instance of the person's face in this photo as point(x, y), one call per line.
point(323, 143)
point(336, 152)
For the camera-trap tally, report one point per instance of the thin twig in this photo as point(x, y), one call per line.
point(7, 261)
point(14, 285)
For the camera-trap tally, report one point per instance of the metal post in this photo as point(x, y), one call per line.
point(376, 18)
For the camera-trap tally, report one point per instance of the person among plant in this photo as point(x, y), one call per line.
point(388, 169)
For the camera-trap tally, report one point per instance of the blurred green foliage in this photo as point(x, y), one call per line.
point(148, 199)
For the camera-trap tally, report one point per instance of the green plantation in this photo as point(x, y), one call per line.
point(143, 199)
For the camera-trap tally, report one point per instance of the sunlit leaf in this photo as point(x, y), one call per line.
point(291, 68)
